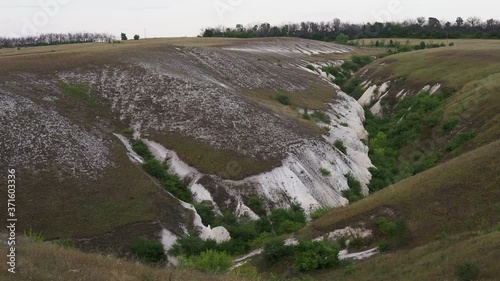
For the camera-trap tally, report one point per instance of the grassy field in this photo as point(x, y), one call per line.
point(48, 262)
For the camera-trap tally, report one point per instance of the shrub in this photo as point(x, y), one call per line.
point(206, 211)
point(311, 67)
point(283, 99)
point(137, 37)
point(339, 144)
point(191, 245)
point(383, 246)
point(124, 37)
point(142, 150)
point(451, 123)
point(209, 261)
point(467, 271)
point(287, 220)
point(350, 66)
point(342, 38)
point(275, 250)
point(156, 169)
point(148, 250)
point(312, 255)
point(255, 203)
point(354, 192)
point(324, 172)
point(451, 44)
point(356, 242)
point(318, 213)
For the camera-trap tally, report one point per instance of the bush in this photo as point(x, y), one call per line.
point(311, 67)
point(209, 261)
point(354, 193)
point(318, 213)
point(459, 141)
point(467, 271)
point(287, 220)
point(156, 169)
point(206, 211)
point(339, 144)
point(451, 44)
point(383, 246)
point(275, 250)
point(124, 37)
point(255, 204)
point(148, 250)
point(324, 172)
point(142, 150)
point(137, 37)
point(451, 123)
point(312, 255)
point(283, 99)
point(191, 245)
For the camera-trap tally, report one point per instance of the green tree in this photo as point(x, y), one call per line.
point(124, 36)
point(136, 37)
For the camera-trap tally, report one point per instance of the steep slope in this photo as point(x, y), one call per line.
point(209, 105)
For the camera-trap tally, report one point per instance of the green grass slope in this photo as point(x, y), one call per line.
point(453, 213)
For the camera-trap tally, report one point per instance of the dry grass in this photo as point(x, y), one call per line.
point(48, 262)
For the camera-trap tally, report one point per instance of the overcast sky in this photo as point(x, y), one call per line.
point(168, 18)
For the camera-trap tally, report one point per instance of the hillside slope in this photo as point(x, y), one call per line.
point(453, 216)
point(206, 107)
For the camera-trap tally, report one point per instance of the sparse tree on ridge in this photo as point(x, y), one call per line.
point(137, 37)
point(124, 37)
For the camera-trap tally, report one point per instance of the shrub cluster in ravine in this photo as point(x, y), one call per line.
point(354, 193)
point(306, 255)
point(171, 182)
point(390, 133)
point(245, 234)
point(208, 261)
point(148, 250)
point(343, 72)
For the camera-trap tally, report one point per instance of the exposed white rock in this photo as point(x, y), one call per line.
point(368, 95)
point(168, 239)
point(134, 157)
point(344, 255)
point(435, 88)
point(219, 234)
point(175, 164)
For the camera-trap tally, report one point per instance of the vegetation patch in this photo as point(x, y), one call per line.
point(208, 261)
point(354, 192)
point(324, 172)
point(148, 250)
point(339, 144)
point(283, 99)
point(171, 182)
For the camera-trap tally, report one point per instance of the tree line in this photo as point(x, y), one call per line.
point(55, 39)
point(425, 28)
